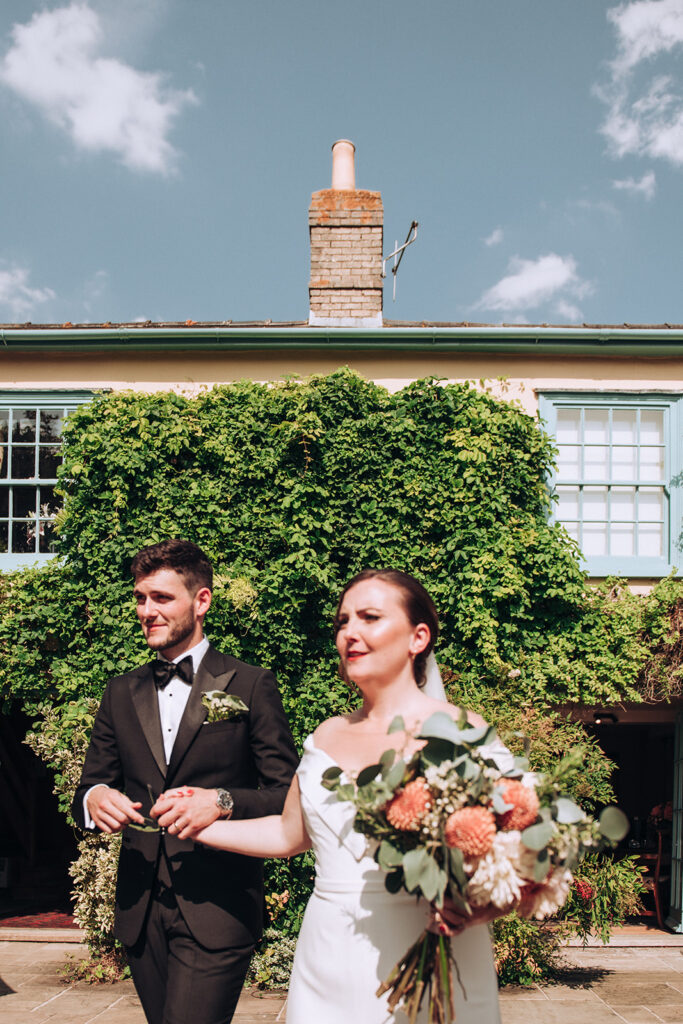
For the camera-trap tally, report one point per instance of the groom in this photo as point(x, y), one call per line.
point(189, 917)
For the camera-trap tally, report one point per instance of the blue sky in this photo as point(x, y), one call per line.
point(159, 155)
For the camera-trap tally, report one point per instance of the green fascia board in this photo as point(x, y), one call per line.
point(614, 341)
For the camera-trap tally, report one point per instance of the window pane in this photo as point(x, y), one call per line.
point(595, 461)
point(46, 538)
point(622, 538)
point(651, 540)
point(23, 463)
point(3, 461)
point(595, 503)
point(23, 538)
point(23, 502)
point(568, 464)
point(50, 425)
point(4, 502)
point(568, 503)
point(4, 529)
point(623, 463)
point(573, 530)
point(595, 539)
point(568, 426)
point(651, 463)
point(48, 461)
point(24, 425)
point(4, 424)
point(652, 426)
point(49, 502)
point(650, 504)
point(624, 426)
point(623, 503)
point(596, 426)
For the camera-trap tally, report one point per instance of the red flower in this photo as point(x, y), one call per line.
point(407, 809)
point(524, 810)
point(472, 830)
point(584, 889)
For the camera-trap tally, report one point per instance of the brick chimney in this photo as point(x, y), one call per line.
point(346, 249)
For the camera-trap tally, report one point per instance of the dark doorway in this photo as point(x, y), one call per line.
point(36, 844)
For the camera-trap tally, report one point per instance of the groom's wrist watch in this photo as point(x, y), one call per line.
point(224, 803)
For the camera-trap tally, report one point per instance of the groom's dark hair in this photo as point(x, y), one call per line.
point(184, 557)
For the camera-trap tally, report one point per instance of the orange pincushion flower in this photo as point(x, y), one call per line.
point(524, 809)
point(472, 830)
point(407, 809)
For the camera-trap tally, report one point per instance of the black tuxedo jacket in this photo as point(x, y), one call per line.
point(220, 895)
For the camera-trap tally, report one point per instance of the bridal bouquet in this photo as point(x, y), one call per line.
point(458, 821)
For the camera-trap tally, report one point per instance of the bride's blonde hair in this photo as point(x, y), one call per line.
point(417, 605)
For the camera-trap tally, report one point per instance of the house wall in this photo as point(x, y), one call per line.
point(152, 371)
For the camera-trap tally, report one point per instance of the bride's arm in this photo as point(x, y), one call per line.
point(279, 835)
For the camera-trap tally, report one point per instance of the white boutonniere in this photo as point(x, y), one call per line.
point(223, 707)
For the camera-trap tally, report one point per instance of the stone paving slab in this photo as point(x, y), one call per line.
point(631, 986)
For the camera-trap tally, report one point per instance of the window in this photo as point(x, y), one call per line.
point(30, 452)
point(617, 480)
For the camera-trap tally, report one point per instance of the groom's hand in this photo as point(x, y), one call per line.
point(184, 812)
point(111, 811)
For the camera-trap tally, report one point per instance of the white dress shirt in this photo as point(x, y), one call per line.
point(172, 701)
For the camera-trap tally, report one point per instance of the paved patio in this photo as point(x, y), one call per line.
point(631, 985)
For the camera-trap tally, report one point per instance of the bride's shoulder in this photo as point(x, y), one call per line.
point(330, 727)
point(455, 712)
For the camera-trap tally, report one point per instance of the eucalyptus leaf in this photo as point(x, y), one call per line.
point(387, 759)
point(541, 866)
point(498, 801)
point(388, 856)
point(393, 882)
point(437, 750)
point(394, 776)
point(614, 824)
point(397, 725)
point(368, 774)
point(331, 777)
point(346, 792)
point(457, 866)
point(537, 836)
point(414, 863)
point(568, 813)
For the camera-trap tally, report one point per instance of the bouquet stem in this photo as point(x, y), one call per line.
point(425, 966)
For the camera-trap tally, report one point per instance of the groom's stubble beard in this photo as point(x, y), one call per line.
point(176, 633)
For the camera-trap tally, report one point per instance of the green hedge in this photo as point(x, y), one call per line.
point(291, 489)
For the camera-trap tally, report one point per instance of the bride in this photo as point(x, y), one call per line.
point(353, 929)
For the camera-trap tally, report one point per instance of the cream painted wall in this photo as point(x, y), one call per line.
point(525, 375)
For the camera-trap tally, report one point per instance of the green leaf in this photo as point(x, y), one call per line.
point(457, 866)
point(397, 725)
point(346, 792)
point(387, 759)
point(614, 824)
point(568, 813)
point(330, 777)
point(394, 776)
point(537, 836)
point(541, 866)
point(414, 863)
point(367, 775)
point(388, 856)
point(437, 750)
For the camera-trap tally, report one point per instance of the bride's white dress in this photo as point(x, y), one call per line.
point(354, 931)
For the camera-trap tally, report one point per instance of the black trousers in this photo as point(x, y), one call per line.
point(178, 980)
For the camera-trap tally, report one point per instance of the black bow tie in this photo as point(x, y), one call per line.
point(164, 671)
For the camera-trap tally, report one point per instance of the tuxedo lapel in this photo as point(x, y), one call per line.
point(212, 674)
point(144, 696)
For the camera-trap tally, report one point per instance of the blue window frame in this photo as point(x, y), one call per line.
point(618, 478)
point(31, 426)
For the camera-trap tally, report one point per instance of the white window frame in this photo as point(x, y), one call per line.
point(16, 401)
point(549, 402)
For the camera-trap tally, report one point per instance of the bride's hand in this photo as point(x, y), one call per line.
point(448, 920)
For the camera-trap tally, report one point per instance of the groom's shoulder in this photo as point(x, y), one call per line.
point(218, 663)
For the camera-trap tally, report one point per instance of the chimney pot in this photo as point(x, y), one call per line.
point(343, 171)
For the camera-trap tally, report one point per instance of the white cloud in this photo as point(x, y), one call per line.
point(550, 279)
point(55, 63)
point(18, 297)
point(649, 121)
point(645, 187)
point(495, 238)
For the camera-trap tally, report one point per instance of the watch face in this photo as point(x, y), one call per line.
point(224, 800)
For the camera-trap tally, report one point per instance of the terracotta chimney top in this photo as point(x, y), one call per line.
point(343, 171)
